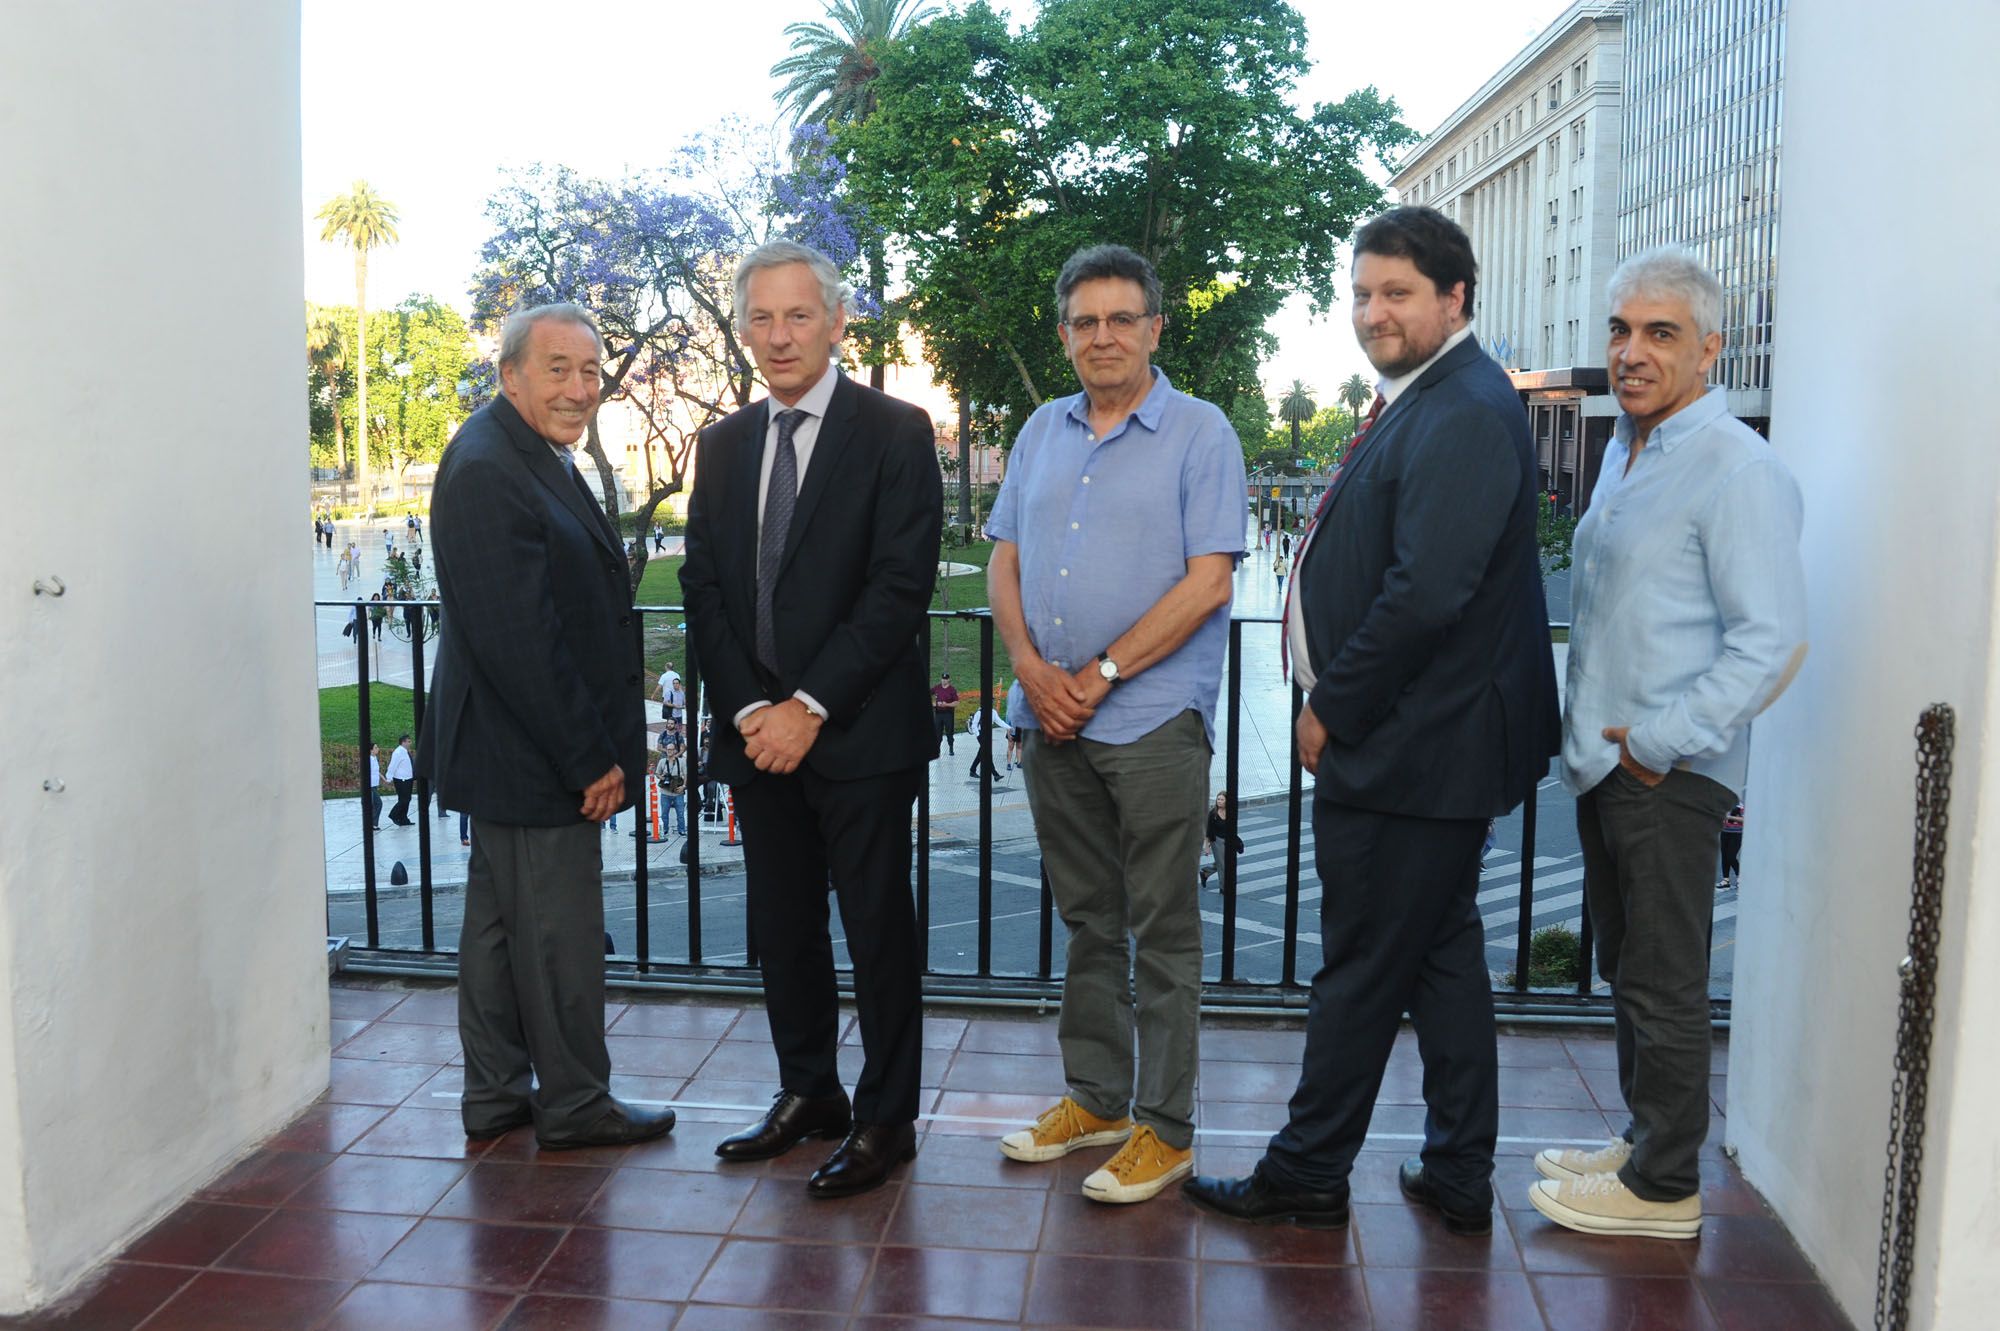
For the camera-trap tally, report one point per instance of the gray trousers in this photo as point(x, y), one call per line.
point(1649, 877)
point(531, 978)
point(1120, 827)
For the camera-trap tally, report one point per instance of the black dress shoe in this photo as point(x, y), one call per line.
point(519, 1119)
point(1263, 1202)
point(790, 1120)
point(1417, 1188)
point(620, 1125)
point(863, 1160)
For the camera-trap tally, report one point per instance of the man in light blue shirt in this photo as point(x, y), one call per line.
point(1116, 535)
point(1689, 607)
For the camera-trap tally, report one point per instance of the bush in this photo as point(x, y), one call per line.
point(343, 758)
point(1552, 959)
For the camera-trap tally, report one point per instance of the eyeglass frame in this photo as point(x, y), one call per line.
point(1086, 326)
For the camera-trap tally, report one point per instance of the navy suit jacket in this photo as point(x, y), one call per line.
point(537, 689)
point(1423, 609)
point(855, 579)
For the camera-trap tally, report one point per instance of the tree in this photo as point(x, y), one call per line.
point(1250, 417)
point(1357, 392)
point(830, 78)
point(831, 71)
point(1296, 407)
point(993, 154)
point(426, 350)
point(653, 258)
point(362, 220)
point(326, 358)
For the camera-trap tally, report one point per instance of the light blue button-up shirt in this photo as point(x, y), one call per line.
point(1688, 599)
point(1105, 528)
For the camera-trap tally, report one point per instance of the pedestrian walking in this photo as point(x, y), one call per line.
point(345, 568)
point(1732, 848)
point(1280, 566)
point(402, 775)
point(671, 773)
point(984, 722)
point(375, 786)
point(378, 615)
point(1216, 833)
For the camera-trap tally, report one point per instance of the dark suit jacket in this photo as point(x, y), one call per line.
point(855, 579)
point(1422, 598)
point(537, 690)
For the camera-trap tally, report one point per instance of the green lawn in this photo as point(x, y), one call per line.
point(954, 644)
point(342, 757)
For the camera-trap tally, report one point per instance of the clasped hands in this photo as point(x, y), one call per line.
point(777, 738)
point(1062, 702)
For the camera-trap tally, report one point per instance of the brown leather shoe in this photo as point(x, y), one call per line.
point(620, 1125)
point(790, 1120)
point(863, 1160)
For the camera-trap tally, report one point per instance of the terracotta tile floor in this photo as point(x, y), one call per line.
point(372, 1211)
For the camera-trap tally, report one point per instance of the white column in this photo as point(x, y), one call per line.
point(1883, 407)
point(161, 883)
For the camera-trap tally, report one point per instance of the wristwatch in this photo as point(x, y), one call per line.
point(1108, 669)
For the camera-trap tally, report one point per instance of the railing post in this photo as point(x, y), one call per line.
point(1524, 925)
point(1046, 957)
point(413, 616)
point(986, 798)
point(363, 626)
point(1294, 822)
point(923, 865)
point(642, 924)
point(692, 762)
point(1232, 748)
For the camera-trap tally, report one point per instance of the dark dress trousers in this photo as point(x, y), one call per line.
point(537, 692)
point(853, 583)
point(1422, 600)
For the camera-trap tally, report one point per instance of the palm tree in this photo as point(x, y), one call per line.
point(1355, 393)
point(362, 219)
point(326, 353)
point(831, 64)
point(1297, 406)
point(828, 78)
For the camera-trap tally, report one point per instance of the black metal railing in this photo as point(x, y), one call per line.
point(717, 951)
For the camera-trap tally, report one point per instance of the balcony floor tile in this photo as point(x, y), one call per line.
point(379, 1213)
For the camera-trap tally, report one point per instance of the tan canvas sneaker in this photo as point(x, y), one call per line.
point(1064, 1127)
point(1602, 1204)
point(1142, 1167)
point(1559, 1164)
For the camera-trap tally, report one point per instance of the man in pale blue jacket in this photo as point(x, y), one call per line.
point(1688, 603)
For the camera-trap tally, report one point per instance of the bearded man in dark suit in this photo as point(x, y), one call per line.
point(535, 729)
point(812, 545)
point(1418, 630)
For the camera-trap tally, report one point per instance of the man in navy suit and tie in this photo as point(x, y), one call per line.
point(812, 546)
point(1420, 636)
point(535, 728)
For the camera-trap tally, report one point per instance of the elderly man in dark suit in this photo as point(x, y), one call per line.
point(535, 728)
point(1418, 629)
point(812, 545)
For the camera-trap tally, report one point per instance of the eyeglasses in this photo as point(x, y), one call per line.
point(1121, 323)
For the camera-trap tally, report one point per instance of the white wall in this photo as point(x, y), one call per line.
point(1884, 407)
point(162, 978)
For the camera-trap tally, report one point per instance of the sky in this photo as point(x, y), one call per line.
point(430, 100)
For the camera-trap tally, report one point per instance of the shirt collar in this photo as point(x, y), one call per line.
point(1391, 389)
point(817, 398)
point(1147, 413)
point(1695, 416)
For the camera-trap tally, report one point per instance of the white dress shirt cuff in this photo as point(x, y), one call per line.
point(811, 705)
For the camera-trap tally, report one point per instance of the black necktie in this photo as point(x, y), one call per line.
point(779, 500)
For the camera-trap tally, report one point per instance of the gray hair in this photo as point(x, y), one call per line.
point(1674, 272)
point(514, 334)
point(1097, 261)
point(834, 294)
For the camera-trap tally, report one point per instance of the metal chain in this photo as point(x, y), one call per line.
point(1910, 1087)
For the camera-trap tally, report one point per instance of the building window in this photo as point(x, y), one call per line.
point(1555, 94)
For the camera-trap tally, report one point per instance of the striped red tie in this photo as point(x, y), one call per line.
point(1299, 558)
